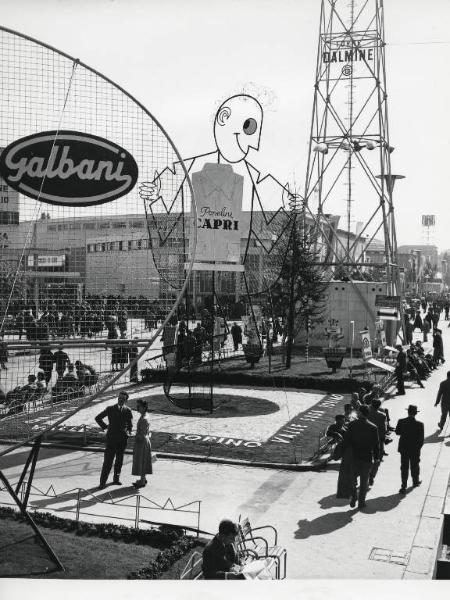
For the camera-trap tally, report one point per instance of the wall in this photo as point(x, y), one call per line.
point(344, 304)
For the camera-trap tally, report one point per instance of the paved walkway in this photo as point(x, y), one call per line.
point(393, 538)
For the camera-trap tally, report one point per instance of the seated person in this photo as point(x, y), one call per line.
point(19, 396)
point(349, 413)
point(67, 386)
point(86, 374)
point(219, 556)
point(355, 402)
point(337, 429)
point(29, 390)
point(41, 384)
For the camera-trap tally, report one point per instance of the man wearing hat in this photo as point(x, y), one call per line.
point(443, 397)
point(411, 434)
point(362, 437)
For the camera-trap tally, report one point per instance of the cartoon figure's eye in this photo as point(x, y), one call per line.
point(250, 126)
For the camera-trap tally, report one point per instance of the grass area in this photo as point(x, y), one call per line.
point(83, 557)
point(315, 367)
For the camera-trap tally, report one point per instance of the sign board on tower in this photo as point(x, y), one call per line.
point(366, 347)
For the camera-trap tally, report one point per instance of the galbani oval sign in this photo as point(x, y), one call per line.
point(68, 168)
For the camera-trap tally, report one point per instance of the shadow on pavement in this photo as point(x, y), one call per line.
point(324, 524)
point(89, 497)
point(384, 503)
point(434, 438)
point(331, 501)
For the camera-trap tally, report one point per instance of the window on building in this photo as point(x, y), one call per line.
point(106, 225)
point(119, 225)
point(51, 227)
point(89, 226)
point(137, 224)
point(75, 226)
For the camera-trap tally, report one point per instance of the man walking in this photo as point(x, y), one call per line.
point(400, 369)
point(438, 347)
point(411, 434)
point(236, 334)
point(118, 429)
point(443, 396)
point(362, 437)
point(378, 418)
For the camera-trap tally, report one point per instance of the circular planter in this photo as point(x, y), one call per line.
point(334, 357)
point(253, 353)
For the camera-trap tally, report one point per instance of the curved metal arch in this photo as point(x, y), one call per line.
point(188, 271)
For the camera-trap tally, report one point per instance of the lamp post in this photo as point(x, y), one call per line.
point(352, 339)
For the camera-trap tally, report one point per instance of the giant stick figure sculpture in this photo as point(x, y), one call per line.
point(226, 183)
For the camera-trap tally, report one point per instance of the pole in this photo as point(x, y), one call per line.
point(31, 522)
point(352, 339)
point(291, 313)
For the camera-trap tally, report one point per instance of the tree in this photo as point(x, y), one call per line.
point(300, 292)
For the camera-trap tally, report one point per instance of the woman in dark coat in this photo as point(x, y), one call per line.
point(142, 451)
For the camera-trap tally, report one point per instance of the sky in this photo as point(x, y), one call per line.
point(181, 59)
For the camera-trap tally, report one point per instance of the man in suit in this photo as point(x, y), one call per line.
point(219, 556)
point(120, 424)
point(400, 369)
point(411, 434)
point(443, 397)
point(378, 418)
point(362, 437)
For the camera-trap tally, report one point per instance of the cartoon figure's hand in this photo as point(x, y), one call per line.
point(149, 191)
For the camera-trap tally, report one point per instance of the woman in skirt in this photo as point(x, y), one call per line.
point(142, 451)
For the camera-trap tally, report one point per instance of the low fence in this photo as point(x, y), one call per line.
point(135, 510)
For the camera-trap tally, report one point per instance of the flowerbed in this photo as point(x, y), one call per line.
point(172, 544)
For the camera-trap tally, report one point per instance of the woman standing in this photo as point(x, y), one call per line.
point(142, 451)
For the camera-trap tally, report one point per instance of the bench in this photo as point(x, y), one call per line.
point(260, 547)
point(193, 568)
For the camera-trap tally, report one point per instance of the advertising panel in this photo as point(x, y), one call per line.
point(366, 348)
point(218, 191)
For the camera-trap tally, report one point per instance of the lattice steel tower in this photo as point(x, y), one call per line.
point(349, 162)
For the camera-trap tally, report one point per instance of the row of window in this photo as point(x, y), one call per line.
point(9, 218)
point(101, 225)
point(118, 246)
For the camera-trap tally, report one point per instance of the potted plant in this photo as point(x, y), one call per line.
point(253, 348)
point(334, 354)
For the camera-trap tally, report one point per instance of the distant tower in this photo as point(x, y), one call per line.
point(349, 160)
point(428, 229)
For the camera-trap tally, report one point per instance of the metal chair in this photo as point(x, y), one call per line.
point(247, 540)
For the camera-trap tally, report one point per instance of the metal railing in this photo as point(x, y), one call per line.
point(135, 508)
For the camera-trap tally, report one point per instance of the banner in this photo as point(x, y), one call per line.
point(366, 348)
point(428, 220)
point(387, 301)
point(218, 192)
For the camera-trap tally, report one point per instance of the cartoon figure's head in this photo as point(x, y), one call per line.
point(237, 127)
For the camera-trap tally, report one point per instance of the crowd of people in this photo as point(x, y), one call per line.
point(359, 436)
point(71, 380)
